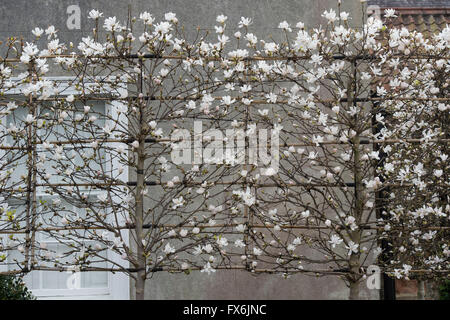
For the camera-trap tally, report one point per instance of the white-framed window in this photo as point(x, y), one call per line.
point(55, 284)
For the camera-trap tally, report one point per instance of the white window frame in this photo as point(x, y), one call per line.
point(118, 283)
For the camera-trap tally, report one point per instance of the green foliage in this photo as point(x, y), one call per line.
point(444, 290)
point(13, 288)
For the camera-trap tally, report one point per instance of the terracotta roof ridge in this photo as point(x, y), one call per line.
point(419, 9)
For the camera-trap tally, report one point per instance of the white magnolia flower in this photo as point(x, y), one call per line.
point(247, 196)
point(438, 173)
point(263, 112)
point(184, 266)
point(374, 183)
point(406, 269)
point(271, 97)
point(226, 100)
point(183, 232)
point(146, 18)
point(390, 13)
point(352, 247)
point(238, 54)
point(297, 241)
point(251, 38)
point(316, 59)
point(335, 240)
point(208, 248)
point(178, 202)
point(112, 25)
point(86, 109)
point(344, 16)
point(429, 235)
point(172, 17)
point(191, 105)
point(239, 243)
point(37, 31)
point(135, 144)
point(197, 250)
point(222, 241)
point(285, 26)
point(172, 233)
point(221, 18)
point(349, 220)
point(50, 31)
point(245, 22)
point(330, 16)
point(257, 251)
point(30, 118)
point(94, 14)
point(208, 268)
point(305, 214)
point(168, 249)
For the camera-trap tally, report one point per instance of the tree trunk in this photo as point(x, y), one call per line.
point(354, 290)
point(420, 290)
point(140, 286)
point(139, 216)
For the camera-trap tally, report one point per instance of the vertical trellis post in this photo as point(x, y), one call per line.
point(139, 196)
point(247, 210)
point(358, 187)
point(387, 291)
point(30, 202)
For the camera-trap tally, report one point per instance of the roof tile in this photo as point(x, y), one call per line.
point(422, 19)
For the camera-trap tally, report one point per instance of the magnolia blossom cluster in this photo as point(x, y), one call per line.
point(360, 113)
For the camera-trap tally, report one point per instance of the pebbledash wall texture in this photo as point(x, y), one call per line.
point(19, 17)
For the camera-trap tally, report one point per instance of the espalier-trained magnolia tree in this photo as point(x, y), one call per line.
point(359, 99)
point(166, 152)
point(417, 215)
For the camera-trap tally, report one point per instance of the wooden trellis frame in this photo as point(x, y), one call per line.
point(32, 143)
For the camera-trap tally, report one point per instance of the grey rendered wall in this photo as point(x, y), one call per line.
point(236, 285)
point(19, 17)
